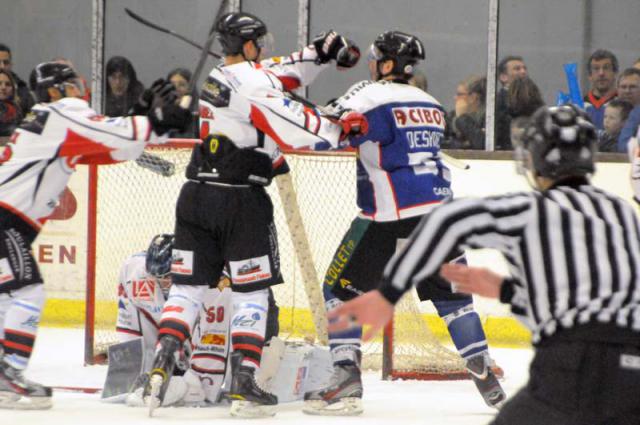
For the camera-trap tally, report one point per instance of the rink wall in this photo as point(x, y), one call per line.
point(61, 251)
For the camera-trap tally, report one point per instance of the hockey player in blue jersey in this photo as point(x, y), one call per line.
point(400, 177)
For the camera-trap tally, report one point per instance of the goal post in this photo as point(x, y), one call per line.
point(313, 207)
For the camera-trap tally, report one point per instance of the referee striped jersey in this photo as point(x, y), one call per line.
point(573, 252)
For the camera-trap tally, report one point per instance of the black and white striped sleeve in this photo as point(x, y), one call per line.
point(466, 223)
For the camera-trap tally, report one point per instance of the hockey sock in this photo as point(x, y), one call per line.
point(181, 310)
point(344, 345)
point(464, 326)
point(21, 310)
point(248, 325)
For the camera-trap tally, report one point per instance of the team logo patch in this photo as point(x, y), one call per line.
point(144, 290)
point(213, 339)
point(182, 262)
point(418, 116)
point(629, 361)
point(6, 275)
point(251, 270)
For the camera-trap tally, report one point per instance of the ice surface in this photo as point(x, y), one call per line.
point(58, 361)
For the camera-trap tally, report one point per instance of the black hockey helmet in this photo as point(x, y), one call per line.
point(235, 29)
point(53, 74)
point(158, 261)
point(404, 49)
point(561, 141)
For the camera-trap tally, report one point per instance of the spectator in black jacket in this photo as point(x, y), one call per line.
point(467, 121)
point(181, 78)
point(510, 68)
point(10, 111)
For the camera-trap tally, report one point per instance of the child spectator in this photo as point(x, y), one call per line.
point(615, 114)
point(180, 78)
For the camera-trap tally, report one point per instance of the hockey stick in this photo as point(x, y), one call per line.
point(454, 161)
point(157, 27)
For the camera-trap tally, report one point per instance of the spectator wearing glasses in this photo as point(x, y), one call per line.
point(629, 90)
point(123, 87)
point(603, 70)
point(22, 91)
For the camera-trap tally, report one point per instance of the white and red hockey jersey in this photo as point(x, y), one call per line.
point(246, 102)
point(43, 152)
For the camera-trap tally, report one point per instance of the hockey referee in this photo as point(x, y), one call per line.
point(574, 257)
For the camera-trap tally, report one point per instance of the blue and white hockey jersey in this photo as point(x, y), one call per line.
point(400, 172)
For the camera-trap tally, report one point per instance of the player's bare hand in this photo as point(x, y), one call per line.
point(369, 309)
point(473, 280)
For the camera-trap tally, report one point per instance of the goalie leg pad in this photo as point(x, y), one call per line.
point(19, 319)
point(248, 325)
point(464, 326)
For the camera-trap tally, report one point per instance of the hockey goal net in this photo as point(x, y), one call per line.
point(314, 206)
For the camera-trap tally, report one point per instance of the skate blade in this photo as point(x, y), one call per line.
point(15, 401)
point(153, 399)
point(347, 406)
point(249, 409)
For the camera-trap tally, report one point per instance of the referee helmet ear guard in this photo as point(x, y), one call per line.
point(405, 50)
point(53, 74)
point(235, 29)
point(158, 261)
point(561, 141)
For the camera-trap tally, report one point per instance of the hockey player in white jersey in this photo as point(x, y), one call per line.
point(224, 216)
point(400, 178)
point(61, 132)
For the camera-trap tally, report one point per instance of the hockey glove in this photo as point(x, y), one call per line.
point(161, 92)
point(169, 117)
point(331, 45)
point(353, 124)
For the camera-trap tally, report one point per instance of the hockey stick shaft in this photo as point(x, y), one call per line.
point(157, 27)
point(454, 161)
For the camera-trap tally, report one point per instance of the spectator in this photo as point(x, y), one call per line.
point(467, 120)
point(123, 87)
point(523, 98)
point(22, 91)
point(10, 111)
point(615, 115)
point(87, 89)
point(510, 68)
point(603, 69)
point(629, 89)
point(180, 78)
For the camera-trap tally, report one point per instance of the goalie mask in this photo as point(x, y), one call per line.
point(405, 50)
point(235, 29)
point(56, 75)
point(556, 142)
point(158, 261)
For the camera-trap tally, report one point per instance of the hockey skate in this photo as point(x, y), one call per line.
point(248, 400)
point(343, 395)
point(486, 381)
point(161, 371)
point(18, 393)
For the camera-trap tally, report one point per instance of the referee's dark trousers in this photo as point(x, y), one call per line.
point(587, 375)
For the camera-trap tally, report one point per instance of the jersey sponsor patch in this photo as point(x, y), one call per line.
point(34, 122)
point(251, 270)
point(418, 116)
point(213, 339)
point(143, 290)
point(182, 262)
point(216, 93)
point(6, 274)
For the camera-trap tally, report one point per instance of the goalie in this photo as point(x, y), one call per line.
point(143, 286)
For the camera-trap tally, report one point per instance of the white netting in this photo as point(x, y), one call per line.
point(135, 203)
